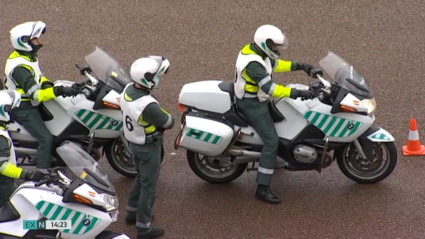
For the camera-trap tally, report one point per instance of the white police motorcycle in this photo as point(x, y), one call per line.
point(81, 196)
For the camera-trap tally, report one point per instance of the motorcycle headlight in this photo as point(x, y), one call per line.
point(110, 201)
point(370, 105)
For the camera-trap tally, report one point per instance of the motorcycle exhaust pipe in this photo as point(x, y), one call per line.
point(244, 156)
point(24, 151)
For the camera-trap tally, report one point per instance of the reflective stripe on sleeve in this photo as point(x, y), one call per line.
point(264, 81)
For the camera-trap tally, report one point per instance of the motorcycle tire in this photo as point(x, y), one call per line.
point(112, 159)
point(193, 156)
point(389, 168)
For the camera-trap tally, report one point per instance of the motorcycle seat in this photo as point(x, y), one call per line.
point(8, 213)
point(227, 86)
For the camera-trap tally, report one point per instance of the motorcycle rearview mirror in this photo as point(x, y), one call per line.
point(83, 68)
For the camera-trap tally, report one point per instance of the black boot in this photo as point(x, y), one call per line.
point(264, 193)
point(132, 220)
point(154, 233)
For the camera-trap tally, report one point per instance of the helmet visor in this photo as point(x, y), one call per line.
point(164, 64)
point(276, 47)
point(38, 29)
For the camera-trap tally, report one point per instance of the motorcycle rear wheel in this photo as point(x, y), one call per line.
point(209, 173)
point(367, 171)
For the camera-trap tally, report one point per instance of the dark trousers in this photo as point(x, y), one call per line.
point(29, 117)
point(147, 159)
point(260, 119)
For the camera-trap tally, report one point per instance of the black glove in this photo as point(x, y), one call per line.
point(66, 91)
point(306, 67)
point(304, 94)
point(35, 176)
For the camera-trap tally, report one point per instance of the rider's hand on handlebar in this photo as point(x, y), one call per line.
point(67, 91)
point(35, 176)
point(306, 67)
point(306, 94)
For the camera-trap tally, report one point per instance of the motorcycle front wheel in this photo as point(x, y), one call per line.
point(121, 160)
point(367, 171)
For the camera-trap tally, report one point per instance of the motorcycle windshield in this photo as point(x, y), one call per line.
point(84, 166)
point(346, 76)
point(108, 69)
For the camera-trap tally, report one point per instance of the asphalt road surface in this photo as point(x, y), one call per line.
point(384, 40)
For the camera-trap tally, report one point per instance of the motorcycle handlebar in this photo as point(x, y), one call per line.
point(52, 177)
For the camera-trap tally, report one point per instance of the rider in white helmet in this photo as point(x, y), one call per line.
point(144, 122)
point(10, 99)
point(254, 86)
point(24, 75)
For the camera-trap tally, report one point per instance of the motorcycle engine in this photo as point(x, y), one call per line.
point(305, 154)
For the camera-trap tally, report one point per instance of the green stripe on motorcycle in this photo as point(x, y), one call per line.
point(104, 122)
point(204, 136)
point(94, 122)
point(77, 219)
point(56, 213)
point(88, 117)
point(119, 126)
point(91, 119)
point(380, 136)
point(331, 125)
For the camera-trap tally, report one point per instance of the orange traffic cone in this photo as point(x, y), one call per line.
point(414, 146)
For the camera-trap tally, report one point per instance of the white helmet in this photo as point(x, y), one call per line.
point(9, 99)
point(22, 34)
point(270, 39)
point(147, 70)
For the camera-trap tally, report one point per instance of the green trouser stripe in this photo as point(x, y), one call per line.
point(341, 122)
point(80, 113)
point(88, 116)
point(56, 213)
point(92, 224)
point(93, 122)
point(207, 138)
point(325, 117)
point(106, 120)
point(40, 205)
point(330, 125)
point(49, 207)
point(216, 139)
